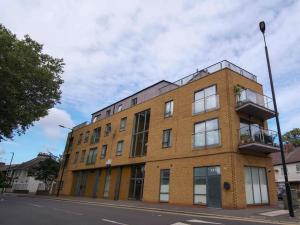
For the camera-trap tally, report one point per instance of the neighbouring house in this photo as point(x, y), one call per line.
point(202, 140)
point(292, 159)
point(23, 179)
point(7, 171)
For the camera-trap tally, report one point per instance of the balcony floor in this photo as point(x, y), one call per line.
point(255, 110)
point(258, 148)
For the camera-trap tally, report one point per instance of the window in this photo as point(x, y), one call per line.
point(120, 107)
point(107, 129)
point(298, 167)
point(123, 123)
point(103, 152)
point(82, 155)
point(91, 159)
point(76, 157)
point(70, 143)
point(120, 146)
point(167, 137)
point(96, 135)
point(206, 133)
point(140, 133)
point(256, 185)
point(201, 176)
point(80, 138)
point(106, 184)
point(168, 109)
point(133, 101)
point(205, 100)
point(164, 185)
point(108, 112)
point(86, 137)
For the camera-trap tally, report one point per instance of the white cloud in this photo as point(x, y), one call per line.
point(113, 48)
point(49, 124)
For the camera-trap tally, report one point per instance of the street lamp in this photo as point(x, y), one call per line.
point(262, 27)
point(5, 179)
point(63, 163)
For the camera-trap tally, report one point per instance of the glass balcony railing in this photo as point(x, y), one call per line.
point(206, 104)
point(246, 96)
point(206, 138)
point(256, 134)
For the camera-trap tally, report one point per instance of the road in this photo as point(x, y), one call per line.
point(16, 210)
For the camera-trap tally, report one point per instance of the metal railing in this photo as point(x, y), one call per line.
point(205, 104)
point(254, 133)
point(207, 71)
point(247, 95)
point(206, 138)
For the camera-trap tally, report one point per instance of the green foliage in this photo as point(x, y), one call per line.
point(292, 136)
point(46, 171)
point(2, 180)
point(29, 83)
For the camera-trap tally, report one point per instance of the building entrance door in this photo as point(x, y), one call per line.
point(136, 182)
point(80, 183)
point(214, 191)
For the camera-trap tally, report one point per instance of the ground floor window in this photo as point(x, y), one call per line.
point(164, 185)
point(106, 184)
point(256, 185)
point(207, 186)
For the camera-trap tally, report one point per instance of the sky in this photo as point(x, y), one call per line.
point(115, 48)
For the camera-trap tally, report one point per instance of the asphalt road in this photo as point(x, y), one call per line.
point(16, 210)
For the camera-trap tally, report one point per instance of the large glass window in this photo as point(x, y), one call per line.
point(91, 159)
point(169, 109)
point(256, 185)
point(164, 185)
point(120, 146)
point(140, 133)
point(82, 155)
point(106, 184)
point(206, 133)
point(103, 152)
point(205, 100)
point(96, 135)
point(167, 138)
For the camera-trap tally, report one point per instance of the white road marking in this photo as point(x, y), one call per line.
point(179, 223)
point(67, 211)
point(39, 206)
point(275, 213)
point(201, 221)
point(158, 215)
point(115, 222)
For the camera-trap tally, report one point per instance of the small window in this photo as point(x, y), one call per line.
point(164, 185)
point(76, 157)
point(167, 137)
point(80, 138)
point(91, 159)
point(103, 152)
point(123, 123)
point(169, 109)
point(86, 137)
point(133, 101)
point(108, 112)
point(120, 107)
point(96, 135)
point(82, 155)
point(107, 129)
point(298, 167)
point(120, 146)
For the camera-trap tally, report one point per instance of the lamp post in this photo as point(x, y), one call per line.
point(262, 27)
point(63, 163)
point(11, 159)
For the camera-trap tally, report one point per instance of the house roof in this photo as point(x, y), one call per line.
point(33, 162)
point(5, 167)
point(292, 157)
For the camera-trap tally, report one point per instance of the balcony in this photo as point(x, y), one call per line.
point(206, 104)
point(254, 104)
point(206, 139)
point(253, 138)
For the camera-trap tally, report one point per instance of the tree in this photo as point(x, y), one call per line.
point(30, 83)
point(46, 171)
point(292, 136)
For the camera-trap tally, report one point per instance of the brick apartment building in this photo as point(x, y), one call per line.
point(201, 140)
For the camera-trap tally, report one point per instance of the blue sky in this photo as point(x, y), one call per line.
point(114, 48)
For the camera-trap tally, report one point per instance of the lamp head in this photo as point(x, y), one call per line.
point(262, 26)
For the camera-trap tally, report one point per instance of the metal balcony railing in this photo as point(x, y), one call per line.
point(206, 104)
point(207, 71)
point(256, 134)
point(246, 96)
point(206, 138)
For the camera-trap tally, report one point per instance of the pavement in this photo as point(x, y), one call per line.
point(17, 209)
